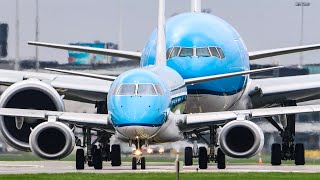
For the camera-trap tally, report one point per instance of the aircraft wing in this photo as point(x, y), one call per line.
point(102, 51)
point(281, 51)
point(79, 119)
point(83, 89)
point(198, 120)
point(274, 91)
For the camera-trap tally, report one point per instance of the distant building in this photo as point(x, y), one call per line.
point(83, 58)
point(3, 40)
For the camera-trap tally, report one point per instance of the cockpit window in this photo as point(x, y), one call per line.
point(214, 52)
point(221, 53)
point(186, 52)
point(175, 52)
point(146, 89)
point(169, 52)
point(204, 52)
point(127, 90)
point(195, 51)
point(138, 90)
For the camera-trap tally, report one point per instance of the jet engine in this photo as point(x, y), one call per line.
point(52, 140)
point(28, 94)
point(241, 139)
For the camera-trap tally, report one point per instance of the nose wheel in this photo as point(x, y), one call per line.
point(138, 161)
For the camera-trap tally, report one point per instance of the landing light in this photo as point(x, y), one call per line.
point(137, 152)
point(149, 150)
point(161, 150)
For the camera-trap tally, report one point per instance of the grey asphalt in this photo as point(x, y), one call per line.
point(34, 167)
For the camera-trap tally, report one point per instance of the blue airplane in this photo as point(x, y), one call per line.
point(194, 80)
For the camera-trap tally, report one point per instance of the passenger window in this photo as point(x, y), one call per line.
point(169, 52)
point(214, 52)
point(204, 52)
point(186, 52)
point(175, 52)
point(146, 89)
point(127, 90)
point(221, 53)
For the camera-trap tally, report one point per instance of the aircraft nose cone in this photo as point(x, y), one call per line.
point(138, 111)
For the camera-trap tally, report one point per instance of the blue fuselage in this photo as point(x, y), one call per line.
point(198, 30)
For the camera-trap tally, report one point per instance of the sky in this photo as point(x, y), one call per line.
point(263, 24)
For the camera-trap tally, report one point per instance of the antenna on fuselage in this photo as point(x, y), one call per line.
point(161, 39)
point(195, 5)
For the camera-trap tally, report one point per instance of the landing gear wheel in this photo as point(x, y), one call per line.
point(115, 155)
point(221, 159)
point(203, 158)
point(93, 148)
point(134, 163)
point(80, 159)
point(97, 159)
point(299, 154)
point(276, 154)
point(143, 163)
point(188, 156)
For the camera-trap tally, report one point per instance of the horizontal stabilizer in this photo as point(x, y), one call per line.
point(281, 51)
point(227, 75)
point(102, 51)
point(90, 75)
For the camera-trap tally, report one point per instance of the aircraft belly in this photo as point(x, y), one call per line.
point(199, 103)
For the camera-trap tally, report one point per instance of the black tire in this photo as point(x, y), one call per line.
point(276, 154)
point(143, 163)
point(90, 163)
point(299, 158)
point(115, 155)
point(97, 159)
point(188, 156)
point(107, 153)
point(134, 163)
point(221, 159)
point(80, 159)
point(203, 158)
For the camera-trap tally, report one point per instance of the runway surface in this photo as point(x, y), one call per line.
point(34, 167)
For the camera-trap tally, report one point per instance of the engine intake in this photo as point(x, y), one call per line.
point(52, 140)
point(241, 139)
point(28, 94)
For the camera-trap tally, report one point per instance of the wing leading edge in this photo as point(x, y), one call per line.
point(200, 119)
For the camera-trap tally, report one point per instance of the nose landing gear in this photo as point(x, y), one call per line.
point(138, 159)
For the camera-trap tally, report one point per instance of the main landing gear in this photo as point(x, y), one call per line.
point(138, 159)
point(215, 153)
point(95, 155)
point(288, 150)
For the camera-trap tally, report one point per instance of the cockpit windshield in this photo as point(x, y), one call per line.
point(137, 90)
point(127, 90)
point(146, 89)
point(210, 51)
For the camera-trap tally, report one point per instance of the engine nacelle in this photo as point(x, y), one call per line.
point(28, 94)
point(52, 140)
point(241, 139)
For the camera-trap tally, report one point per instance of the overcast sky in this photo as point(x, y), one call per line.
point(263, 24)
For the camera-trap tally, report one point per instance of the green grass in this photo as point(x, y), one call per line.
point(154, 176)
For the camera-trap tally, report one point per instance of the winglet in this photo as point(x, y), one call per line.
point(161, 40)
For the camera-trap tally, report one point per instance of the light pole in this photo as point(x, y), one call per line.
point(302, 5)
point(37, 34)
point(17, 59)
